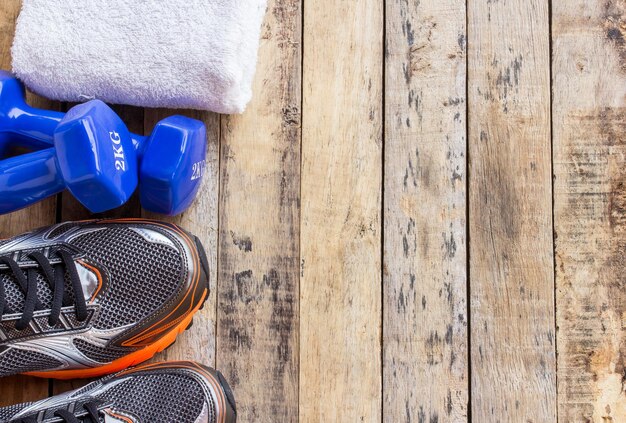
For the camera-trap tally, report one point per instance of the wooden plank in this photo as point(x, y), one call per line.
point(20, 389)
point(511, 250)
point(257, 330)
point(589, 77)
point(340, 331)
point(425, 313)
point(201, 219)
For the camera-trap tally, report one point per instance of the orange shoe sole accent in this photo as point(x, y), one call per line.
point(127, 361)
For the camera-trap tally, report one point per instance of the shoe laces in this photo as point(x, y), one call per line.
point(55, 277)
point(92, 416)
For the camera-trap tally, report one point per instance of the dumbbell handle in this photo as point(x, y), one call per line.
point(28, 179)
point(39, 126)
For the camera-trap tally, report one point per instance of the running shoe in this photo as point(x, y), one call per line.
point(85, 299)
point(175, 392)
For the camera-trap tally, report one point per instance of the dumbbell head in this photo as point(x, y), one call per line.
point(172, 165)
point(96, 156)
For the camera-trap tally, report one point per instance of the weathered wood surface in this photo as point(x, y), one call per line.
point(513, 367)
point(330, 302)
point(425, 247)
point(589, 112)
point(198, 343)
point(340, 331)
point(257, 328)
point(20, 389)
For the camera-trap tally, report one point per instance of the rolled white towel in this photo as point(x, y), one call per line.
point(198, 54)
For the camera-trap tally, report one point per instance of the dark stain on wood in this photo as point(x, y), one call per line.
point(611, 125)
point(416, 103)
point(402, 301)
point(434, 349)
point(490, 4)
point(449, 244)
point(411, 173)
point(409, 239)
point(461, 41)
point(419, 47)
point(291, 116)
point(406, 71)
point(614, 15)
point(617, 205)
point(246, 287)
point(421, 415)
point(612, 128)
point(408, 32)
point(240, 338)
point(283, 315)
point(449, 333)
point(508, 80)
point(243, 242)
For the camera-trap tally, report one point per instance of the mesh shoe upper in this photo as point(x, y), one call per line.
point(170, 392)
point(143, 275)
point(136, 279)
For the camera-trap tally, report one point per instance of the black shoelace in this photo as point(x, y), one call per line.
point(56, 280)
point(93, 415)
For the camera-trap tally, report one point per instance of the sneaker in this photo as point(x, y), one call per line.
point(181, 392)
point(85, 299)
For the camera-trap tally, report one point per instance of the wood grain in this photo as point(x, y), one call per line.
point(425, 248)
point(589, 79)
point(201, 219)
point(340, 331)
point(511, 246)
point(20, 389)
point(257, 344)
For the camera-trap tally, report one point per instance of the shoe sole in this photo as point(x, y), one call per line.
point(149, 351)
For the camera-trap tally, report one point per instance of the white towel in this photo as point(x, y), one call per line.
point(198, 54)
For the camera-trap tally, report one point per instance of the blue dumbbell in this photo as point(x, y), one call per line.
point(90, 151)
